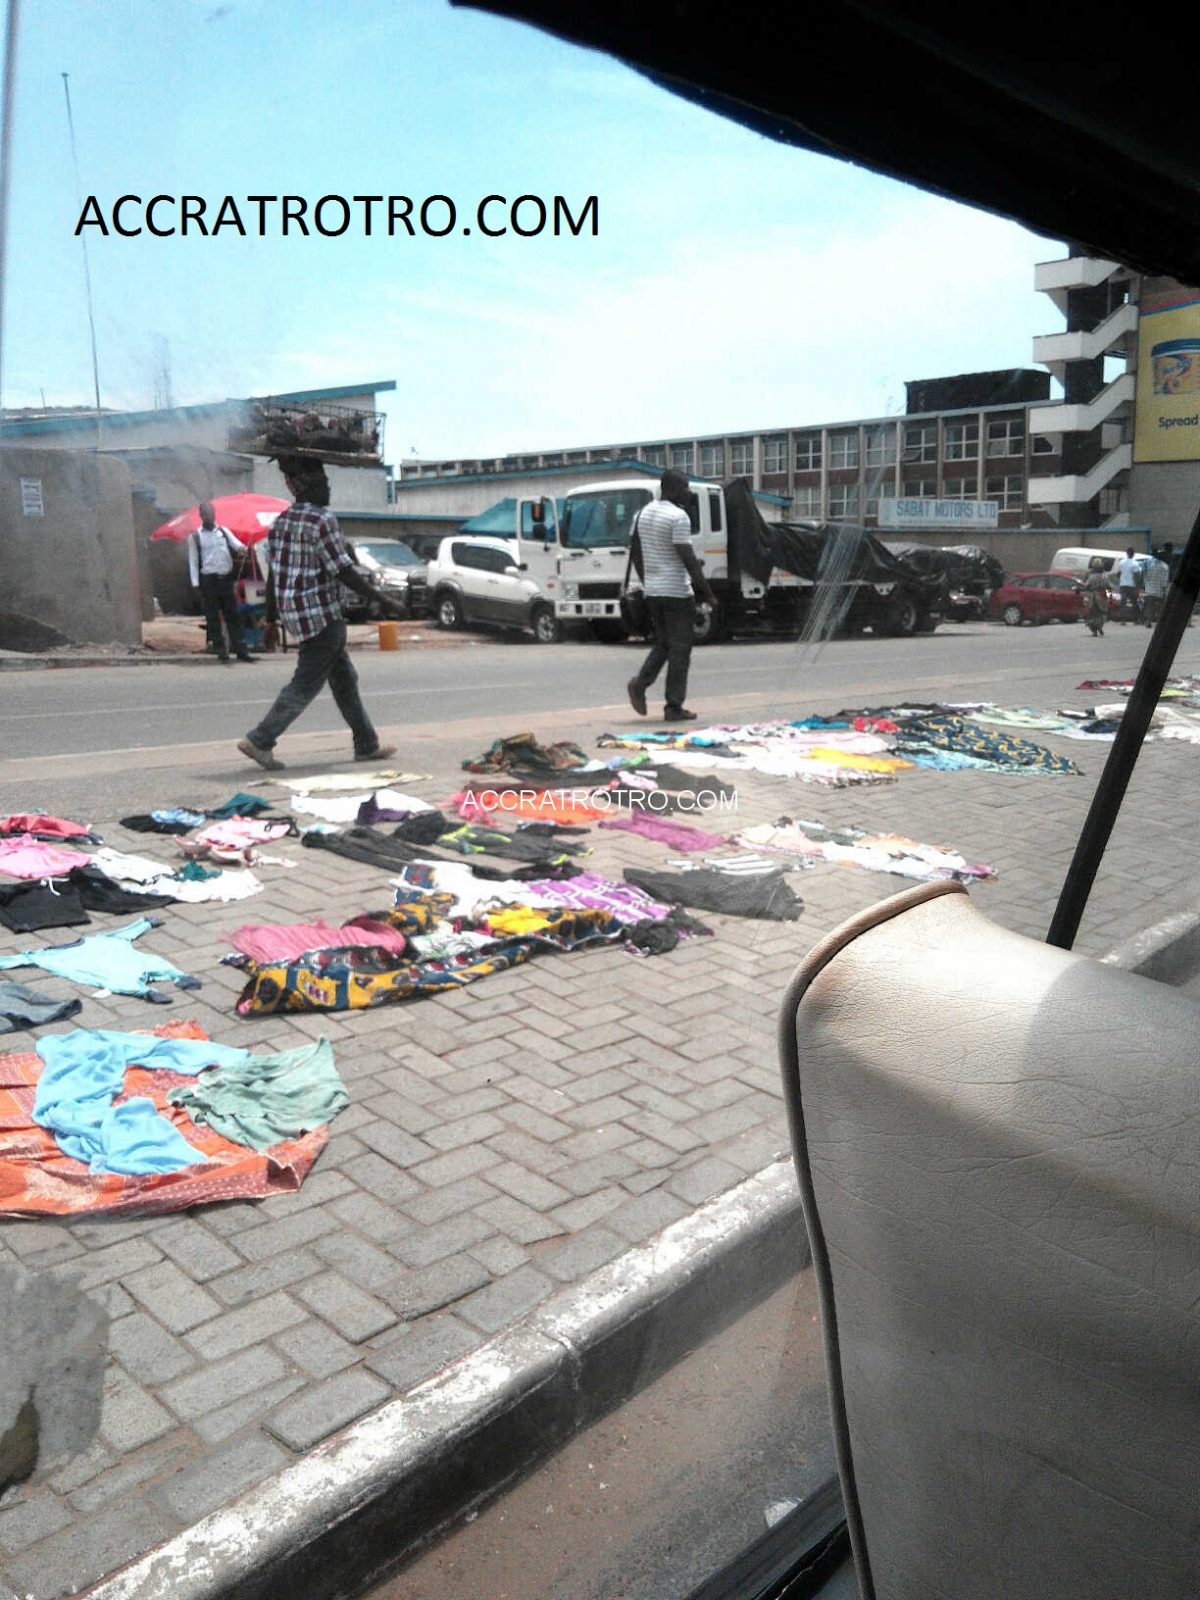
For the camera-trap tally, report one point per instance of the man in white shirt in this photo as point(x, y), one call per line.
point(1127, 584)
point(1155, 578)
point(671, 576)
point(211, 554)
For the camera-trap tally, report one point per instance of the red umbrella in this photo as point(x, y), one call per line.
point(249, 516)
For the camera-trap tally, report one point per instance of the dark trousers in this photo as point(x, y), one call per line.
point(216, 591)
point(672, 621)
point(321, 660)
point(1129, 604)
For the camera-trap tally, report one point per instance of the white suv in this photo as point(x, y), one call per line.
point(484, 580)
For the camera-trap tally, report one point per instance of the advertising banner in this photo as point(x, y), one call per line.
point(1167, 420)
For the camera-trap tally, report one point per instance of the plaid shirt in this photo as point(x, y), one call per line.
point(307, 551)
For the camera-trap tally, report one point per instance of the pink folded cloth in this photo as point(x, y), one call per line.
point(289, 941)
point(23, 857)
point(44, 827)
point(675, 834)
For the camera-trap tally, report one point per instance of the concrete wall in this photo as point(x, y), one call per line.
point(73, 571)
point(1024, 550)
point(1165, 495)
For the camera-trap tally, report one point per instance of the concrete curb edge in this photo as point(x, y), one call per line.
point(1168, 952)
point(420, 1461)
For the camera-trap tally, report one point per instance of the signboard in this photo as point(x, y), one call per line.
point(31, 497)
point(1167, 419)
point(909, 513)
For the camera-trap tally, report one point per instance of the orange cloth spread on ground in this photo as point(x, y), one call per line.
point(37, 1179)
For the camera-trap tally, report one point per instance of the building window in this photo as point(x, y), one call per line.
point(1008, 492)
point(775, 454)
point(1006, 438)
point(843, 451)
point(806, 501)
point(920, 442)
point(712, 460)
point(808, 453)
point(681, 457)
point(922, 488)
point(655, 455)
point(962, 441)
point(881, 447)
point(960, 489)
point(843, 499)
point(876, 493)
point(1043, 446)
point(741, 453)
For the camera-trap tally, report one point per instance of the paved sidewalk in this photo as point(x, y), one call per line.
point(502, 1141)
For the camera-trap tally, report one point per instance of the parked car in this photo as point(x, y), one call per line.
point(397, 571)
point(483, 580)
point(1040, 597)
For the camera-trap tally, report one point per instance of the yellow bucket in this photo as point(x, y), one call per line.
point(389, 635)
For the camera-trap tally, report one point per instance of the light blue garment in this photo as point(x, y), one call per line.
point(107, 961)
point(83, 1073)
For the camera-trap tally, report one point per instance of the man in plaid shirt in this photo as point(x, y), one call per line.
point(309, 566)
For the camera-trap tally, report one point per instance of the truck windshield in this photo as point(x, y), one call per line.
point(603, 517)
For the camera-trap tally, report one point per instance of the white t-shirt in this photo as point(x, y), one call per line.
point(662, 529)
point(1127, 573)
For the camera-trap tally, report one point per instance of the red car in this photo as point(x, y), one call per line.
point(1040, 597)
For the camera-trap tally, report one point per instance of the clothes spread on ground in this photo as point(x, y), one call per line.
point(421, 827)
point(675, 780)
point(23, 856)
point(25, 1008)
point(241, 805)
point(345, 808)
point(469, 894)
point(66, 902)
point(152, 877)
point(390, 854)
point(479, 838)
point(741, 864)
point(108, 962)
point(521, 753)
point(175, 820)
point(874, 852)
point(552, 805)
point(593, 891)
point(658, 936)
point(39, 826)
point(289, 941)
point(260, 1100)
point(675, 835)
point(767, 898)
point(38, 1179)
point(332, 782)
point(243, 833)
point(77, 1098)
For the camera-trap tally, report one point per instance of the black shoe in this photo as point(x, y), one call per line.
point(224, 660)
point(248, 658)
point(678, 714)
point(637, 696)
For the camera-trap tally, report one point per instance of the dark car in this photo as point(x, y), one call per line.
point(397, 571)
point(1039, 597)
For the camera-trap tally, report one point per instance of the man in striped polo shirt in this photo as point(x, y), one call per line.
point(671, 576)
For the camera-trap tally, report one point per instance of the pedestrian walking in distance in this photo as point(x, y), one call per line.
point(212, 550)
point(1095, 597)
point(671, 578)
point(1127, 584)
point(309, 565)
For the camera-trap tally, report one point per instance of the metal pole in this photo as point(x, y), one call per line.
point(87, 275)
point(1118, 769)
point(6, 122)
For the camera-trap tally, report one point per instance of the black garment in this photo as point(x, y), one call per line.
point(672, 620)
point(390, 854)
point(321, 660)
point(480, 837)
point(216, 591)
point(658, 935)
point(25, 1008)
point(422, 827)
point(65, 902)
point(144, 822)
point(676, 781)
point(769, 898)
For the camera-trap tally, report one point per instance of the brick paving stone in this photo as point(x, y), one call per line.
point(455, 1165)
point(171, 1296)
point(672, 1134)
point(222, 1382)
point(194, 1249)
point(598, 1112)
point(131, 1471)
point(505, 1300)
point(450, 1108)
point(363, 1263)
point(708, 1096)
point(409, 1082)
point(34, 1519)
point(652, 1098)
point(594, 1141)
point(94, 1545)
point(317, 1349)
point(412, 1116)
point(146, 1350)
point(499, 1255)
point(429, 1289)
point(381, 1178)
point(579, 1214)
point(421, 1248)
point(129, 1415)
point(703, 1180)
point(355, 1314)
point(196, 1490)
point(521, 1222)
point(216, 1426)
point(231, 1218)
point(466, 1080)
point(112, 1299)
point(438, 1204)
point(528, 1187)
point(263, 1277)
point(396, 1146)
point(640, 1182)
point(528, 1152)
point(332, 1404)
point(117, 1261)
point(82, 1468)
point(725, 1122)
point(532, 1121)
point(467, 1131)
point(589, 1249)
point(648, 1214)
point(596, 1085)
point(249, 1324)
point(423, 1351)
point(321, 1185)
point(273, 1238)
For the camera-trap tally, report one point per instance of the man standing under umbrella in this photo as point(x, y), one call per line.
point(211, 554)
point(309, 565)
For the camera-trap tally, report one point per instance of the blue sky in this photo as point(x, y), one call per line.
point(734, 284)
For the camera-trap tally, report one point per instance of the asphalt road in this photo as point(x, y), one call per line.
point(126, 708)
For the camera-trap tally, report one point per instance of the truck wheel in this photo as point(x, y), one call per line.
point(709, 625)
point(608, 631)
point(926, 623)
point(449, 610)
point(545, 624)
point(901, 617)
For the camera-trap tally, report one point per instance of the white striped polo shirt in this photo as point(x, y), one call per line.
point(662, 527)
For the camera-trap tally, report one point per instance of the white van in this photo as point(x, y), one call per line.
point(1075, 559)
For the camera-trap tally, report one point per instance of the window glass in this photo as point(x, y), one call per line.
point(775, 454)
point(843, 450)
point(741, 457)
point(961, 441)
point(682, 457)
point(604, 517)
point(712, 460)
point(808, 452)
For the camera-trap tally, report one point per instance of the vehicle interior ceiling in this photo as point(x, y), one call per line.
point(1040, 121)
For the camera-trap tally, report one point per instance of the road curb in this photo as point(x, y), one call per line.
point(335, 1520)
point(1169, 951)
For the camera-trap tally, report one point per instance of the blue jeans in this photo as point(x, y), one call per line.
point(320, 660)
point(673, 621)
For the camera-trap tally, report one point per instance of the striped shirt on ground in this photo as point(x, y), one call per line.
point(662, 527)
